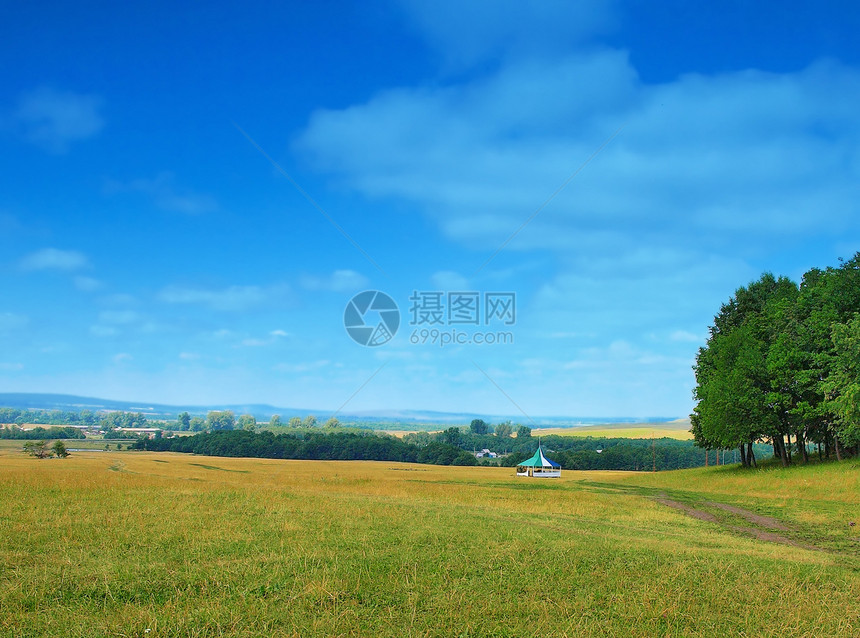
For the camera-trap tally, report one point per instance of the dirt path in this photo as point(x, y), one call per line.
point(752, 517)
point(692, 511)
point(757, 519)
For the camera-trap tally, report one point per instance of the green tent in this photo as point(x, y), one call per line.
point(539, 466)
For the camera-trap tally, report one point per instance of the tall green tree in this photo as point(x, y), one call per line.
point(452, 436)
point(59, 449)
point(843, 387)
point(504, 429)
point(225, 420)
point(478, 426)
point(738, 394)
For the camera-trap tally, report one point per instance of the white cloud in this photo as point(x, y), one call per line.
point(166, 195)
point(189, 356)
point(87, 284)
point(734, 159)
point(466, 33)
point(54, 259)
point(54, 119)
point(338, 281)
point(122, 357)
point(684, 335)
point(273, 337)
point(11, 367)
point(232, 298)
point(620, 354)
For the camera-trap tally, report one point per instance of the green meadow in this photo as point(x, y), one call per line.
point(154, 545)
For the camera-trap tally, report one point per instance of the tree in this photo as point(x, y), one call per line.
point(295, 422)
point(744, 373)
point(183, 421)
point(452, 436)
point(504, 430)
point(225, 420)
point(523, 432)
point(247, 422)
point(197, 424)
point(39, 449)
point(478, 426)
point(275, 421)
point(332, 423)
point(464, 458)
point(59, 449)
point(844, 384)
point(310, 421)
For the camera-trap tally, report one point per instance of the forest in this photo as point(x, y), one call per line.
point(781, 365)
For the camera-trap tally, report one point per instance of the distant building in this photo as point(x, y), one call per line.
point(485, 452)
point(150, 432)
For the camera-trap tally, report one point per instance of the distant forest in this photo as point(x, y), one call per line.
point(782, 365)
point(451, 447)
point(221, 433)
point(41, 433)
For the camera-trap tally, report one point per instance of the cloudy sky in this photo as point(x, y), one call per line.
point(191, 196)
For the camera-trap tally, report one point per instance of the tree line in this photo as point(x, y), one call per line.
point(227, 420)
point(41, 433)
point(573, 453)
point(48, 417)
point(323, 446)
point(781, 365)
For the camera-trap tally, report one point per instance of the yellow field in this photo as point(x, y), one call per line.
point(148, 544)
point(679, 429)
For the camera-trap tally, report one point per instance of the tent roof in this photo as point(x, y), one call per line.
point(538, 460)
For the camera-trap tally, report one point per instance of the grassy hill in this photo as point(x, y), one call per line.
point(146, 544)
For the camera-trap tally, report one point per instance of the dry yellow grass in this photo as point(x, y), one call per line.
point(109, 544)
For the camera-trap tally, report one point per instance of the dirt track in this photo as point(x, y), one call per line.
point(767, 522)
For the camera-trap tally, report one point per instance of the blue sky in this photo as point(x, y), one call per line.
point(150, 251)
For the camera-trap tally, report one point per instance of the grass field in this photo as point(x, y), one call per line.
point(153, 545)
